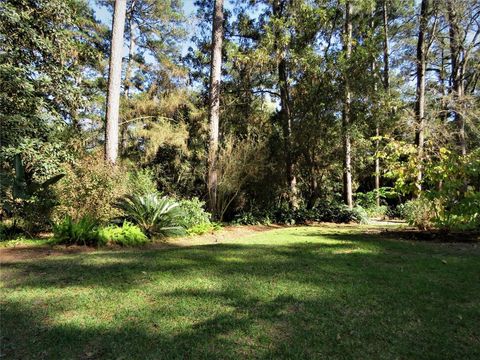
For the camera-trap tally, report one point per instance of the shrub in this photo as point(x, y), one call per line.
point(368, 201)
point(457, 199)
point(90, 187)
point(254, 217)
point(195, 219)
point(81, 232)
point(377, 211)
point(359, 215)
point(340, 213)
point(3, 231)
point(419, 213)
point(395, 212)
point(86, 231)
point(239, 161)
point(26, 200)
point(463, 215)
point(194, 213)
point(125, 235)
point(324, 212)
point(155, 215)
point(141, 182)
point(203, 228)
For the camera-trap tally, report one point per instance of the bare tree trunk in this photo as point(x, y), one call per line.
point(377, 166)
point(309, 159)
point(386, 85)
point(386, 48)
point(441, 79)
point(377, 125)
point(420, 103)
point(286, 118)
point(346, 120)
point(114, 82)
point(287, 132)
point(214, 105)
point(457, 73)
point(128, 71)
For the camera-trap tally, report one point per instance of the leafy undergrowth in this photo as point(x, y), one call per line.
point(288, 293)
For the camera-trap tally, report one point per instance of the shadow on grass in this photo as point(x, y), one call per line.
point(350, 296)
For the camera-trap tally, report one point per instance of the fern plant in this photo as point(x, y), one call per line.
point(125, 235)
point(81, 232)
point(157, 216)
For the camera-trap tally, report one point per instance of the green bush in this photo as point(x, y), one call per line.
point(419, 213)
point(254, 217)
point(463, 215)
point(359, 215)
point(195, 219)
point(203, 228)
point(323, 212)
point(3, 232)
point(141, 182)
point(156, 215)
point(377, 211)
point(368, 201)
point(26, 200)
point(426, 213)
point(87, 231)
point(125, 235)
point(194, 213)
point(457, 200)
point(81, 232)
point(90, 187)
point(395, 212)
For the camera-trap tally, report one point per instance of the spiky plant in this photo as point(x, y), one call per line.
point(156, 215)
point(80, 232)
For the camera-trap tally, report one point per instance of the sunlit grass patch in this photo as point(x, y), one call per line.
point(289, 293)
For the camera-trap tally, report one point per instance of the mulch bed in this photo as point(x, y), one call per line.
point(434, 235)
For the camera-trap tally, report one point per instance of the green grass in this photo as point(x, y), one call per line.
point(296, 293)
point(24, 241)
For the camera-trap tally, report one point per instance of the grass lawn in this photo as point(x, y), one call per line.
point(293, 293)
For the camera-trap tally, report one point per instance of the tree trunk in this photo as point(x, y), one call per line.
point(346, 120)
point(377, 125)
point(441, 79)
point(286, 118)
point(214, 102)
point(386, 48)
point(420, 103)
point(114, 82)
point(313, 191)
point(377, 166)
point(386, 85)
point(457, 73)
point(287, 132)
point(128, 71)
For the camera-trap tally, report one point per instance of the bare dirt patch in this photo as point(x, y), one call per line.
point(35, 252)
point(434, 235)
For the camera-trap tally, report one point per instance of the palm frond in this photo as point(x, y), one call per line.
point(157, 216)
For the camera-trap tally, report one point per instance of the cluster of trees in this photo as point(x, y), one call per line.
point(276, 103)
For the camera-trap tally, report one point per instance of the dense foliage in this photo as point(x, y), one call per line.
point(154, 214)
point(125, 235)
point(79, 232)
point(324, 212)
point(316, 97)
point(87, 231)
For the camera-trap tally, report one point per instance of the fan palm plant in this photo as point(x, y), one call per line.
point(156, 215)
